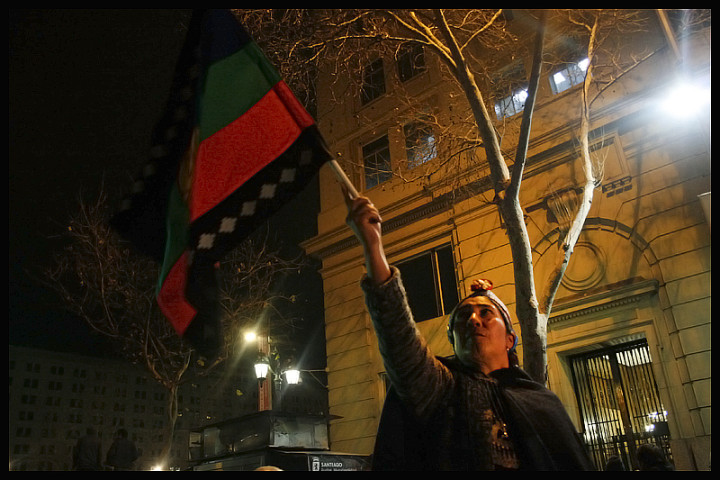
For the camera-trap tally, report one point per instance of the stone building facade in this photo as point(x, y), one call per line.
point(634, 307)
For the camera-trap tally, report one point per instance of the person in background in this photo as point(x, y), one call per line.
point(87, 454)
point(651, 458)
point(614, 464)
point(122, 453)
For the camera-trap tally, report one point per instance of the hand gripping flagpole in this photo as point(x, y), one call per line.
point(343, 178)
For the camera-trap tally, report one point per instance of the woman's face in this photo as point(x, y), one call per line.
point(479, 334)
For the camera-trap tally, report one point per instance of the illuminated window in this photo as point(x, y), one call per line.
point(569, 76)
point(419, 143)
point(510, 90)
point(512, 104)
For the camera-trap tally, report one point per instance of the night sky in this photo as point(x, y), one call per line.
point(86, 88)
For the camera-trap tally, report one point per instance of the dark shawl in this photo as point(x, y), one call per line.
point(543, 434)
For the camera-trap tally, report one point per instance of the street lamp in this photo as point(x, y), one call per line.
point(261, 368)
point(292, 376)
point(267, 365)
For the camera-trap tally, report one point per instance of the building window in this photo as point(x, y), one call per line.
point(511, 91)
point(31, 383)
point(512, 104)
point(376, 161)
point(430, 282)
point(54, 386)
point(419, 143)
point(373, 81)
point(569, 76)
point(410, 61)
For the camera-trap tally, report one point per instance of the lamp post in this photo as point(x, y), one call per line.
point(267, 376)
point(267, 371)
point(264, 374)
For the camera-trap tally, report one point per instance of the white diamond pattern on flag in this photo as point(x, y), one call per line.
point(248, 209)
point(228, 225)
point(268, 191)
point(287, 175)
point(206, 241)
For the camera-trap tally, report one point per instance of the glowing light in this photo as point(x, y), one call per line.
point(292, 376)
point(655, 416)
point(520, 96)
point(685, 100)
point(261, 370)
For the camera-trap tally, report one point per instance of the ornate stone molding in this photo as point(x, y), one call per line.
point(607, 297)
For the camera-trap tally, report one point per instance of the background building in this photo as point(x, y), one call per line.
point(633, 312)
point(54, 397)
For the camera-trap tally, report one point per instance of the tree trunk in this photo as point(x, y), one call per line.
point(172, 411)
point(532, 323)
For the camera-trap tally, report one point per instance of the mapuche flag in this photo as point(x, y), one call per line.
point(233, 147)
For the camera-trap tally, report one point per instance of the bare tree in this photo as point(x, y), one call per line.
point(471, 46)
point(103, 281)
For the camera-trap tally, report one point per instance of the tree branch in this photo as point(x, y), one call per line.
point(528, 110)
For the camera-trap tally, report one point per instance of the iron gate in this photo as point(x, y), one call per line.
point(619, 402)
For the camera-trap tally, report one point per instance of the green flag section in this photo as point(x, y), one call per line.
point(245, 148)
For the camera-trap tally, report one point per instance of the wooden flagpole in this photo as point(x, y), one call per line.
point(343, 178)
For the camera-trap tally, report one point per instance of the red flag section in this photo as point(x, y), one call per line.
point(258, 147)
point(235, 153)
